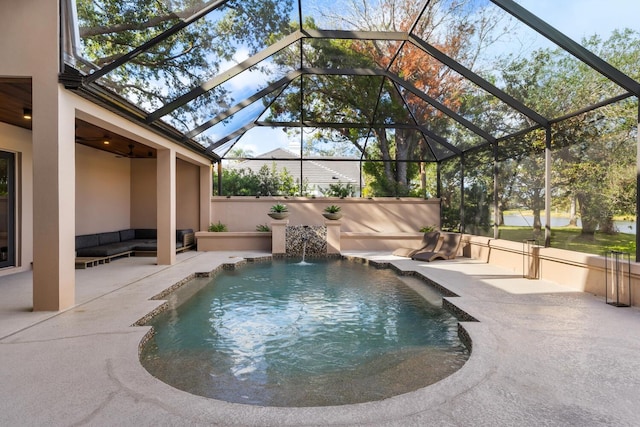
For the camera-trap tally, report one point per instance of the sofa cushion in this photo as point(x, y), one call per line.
point(87, 241)
point(146, 233)
point(145, 245)
point(129, 234)
point(108, 238)
point(181, 233)
point(105, 250)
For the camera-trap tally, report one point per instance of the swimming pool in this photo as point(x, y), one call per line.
point(283, 333)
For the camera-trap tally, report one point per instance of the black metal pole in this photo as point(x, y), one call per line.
point(220, 178)
point(638, 185)
point(496, 204)
point(547, 188)
point(438, 181)
point(462, 193)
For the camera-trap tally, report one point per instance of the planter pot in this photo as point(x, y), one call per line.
point(278, 215)
point(332, 216)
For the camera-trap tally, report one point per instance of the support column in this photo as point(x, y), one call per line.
point(333, 237)
point(206, 181)
point(166, 208)
point(279, 236)
point(54, 169)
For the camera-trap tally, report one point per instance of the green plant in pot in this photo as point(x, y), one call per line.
point(217, 228)
point(332, 212)
point(279, 211)
point(264, 228)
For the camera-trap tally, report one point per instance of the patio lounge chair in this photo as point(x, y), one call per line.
point(448, 249)
point(429, 243)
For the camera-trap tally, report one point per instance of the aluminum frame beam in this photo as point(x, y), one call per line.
point(184, 22)
point(224, 76)
point(610, 72)
point(479, 81)
point(566, 43)
point(273, 87)
point(354, 72)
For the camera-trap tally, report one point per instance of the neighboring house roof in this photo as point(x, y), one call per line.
point(317, 171)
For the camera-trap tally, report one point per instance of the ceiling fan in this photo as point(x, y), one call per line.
point(129, 155)
point(115, 145)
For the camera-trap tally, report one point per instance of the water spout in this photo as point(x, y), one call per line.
point(304, 247)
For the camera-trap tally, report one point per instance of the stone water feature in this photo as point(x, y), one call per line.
point(310, 238)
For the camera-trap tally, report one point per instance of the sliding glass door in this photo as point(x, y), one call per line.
point(7, 210)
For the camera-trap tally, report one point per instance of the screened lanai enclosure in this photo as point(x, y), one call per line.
point(522, 116)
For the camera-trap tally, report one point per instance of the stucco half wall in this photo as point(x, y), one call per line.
point(359, 215)
point(580, 271)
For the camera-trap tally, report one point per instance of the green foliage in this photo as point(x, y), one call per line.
point(332, 209)
point(593, 154)
point(218, 227)
point(111, 28)
point(339, 190)
point(573, 240)
point(428, 228)
point(263, 228)
point(268, 181)
point(279, 208)
point(379, 183)
point(238, 182)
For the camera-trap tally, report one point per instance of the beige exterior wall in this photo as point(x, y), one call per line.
point(379, 224)
point(187, 195)
point(379, 215)
point(144, 198)
point(103, 191)
point(53, 183)
point(117, 193)
point(230, 241)
point(379, 241)
point(23, 31)
point(143, 195)
point(575, 270)
point(18, 141)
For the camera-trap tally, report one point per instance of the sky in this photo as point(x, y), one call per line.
point(580, 18)
point(575, 18)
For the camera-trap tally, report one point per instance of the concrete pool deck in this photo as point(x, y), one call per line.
point(542, 355)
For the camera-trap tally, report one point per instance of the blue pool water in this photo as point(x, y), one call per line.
point(286, 334)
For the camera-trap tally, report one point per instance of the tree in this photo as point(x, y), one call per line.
point(239, 153)
point(339, 190)
point(593, 153)
point(268, 181)
point(458, 28)
point(111, 28)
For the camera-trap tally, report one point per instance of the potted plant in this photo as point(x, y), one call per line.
point(332, 212)
point(279, 211)
point(217, 228)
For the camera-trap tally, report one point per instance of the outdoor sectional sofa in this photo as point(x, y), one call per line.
point(93, 249)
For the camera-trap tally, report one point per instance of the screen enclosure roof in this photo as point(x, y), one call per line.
point(442, 74)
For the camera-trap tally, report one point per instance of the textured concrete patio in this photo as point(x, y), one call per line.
point(542, 355)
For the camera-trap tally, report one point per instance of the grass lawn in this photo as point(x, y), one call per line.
point(570, 238)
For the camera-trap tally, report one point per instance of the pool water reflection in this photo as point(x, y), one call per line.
point(284, 334)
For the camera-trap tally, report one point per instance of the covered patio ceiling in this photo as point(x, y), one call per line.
point(209, 73)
